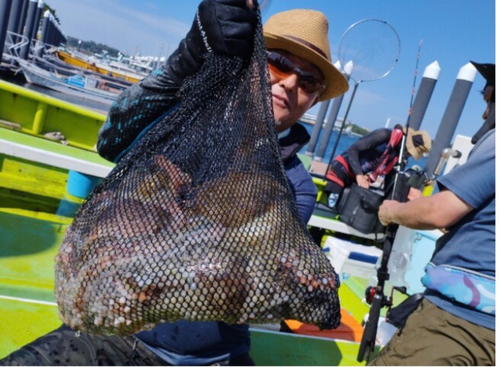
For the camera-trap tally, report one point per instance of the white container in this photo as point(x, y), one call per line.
point(350, 259)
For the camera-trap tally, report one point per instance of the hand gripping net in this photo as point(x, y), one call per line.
point(197, 221)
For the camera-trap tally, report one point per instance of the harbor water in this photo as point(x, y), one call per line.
point(344, 143)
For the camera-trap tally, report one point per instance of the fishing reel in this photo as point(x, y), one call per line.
point(386, 301)
point(370, 293)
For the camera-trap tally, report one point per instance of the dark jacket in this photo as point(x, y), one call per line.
point(362, 157)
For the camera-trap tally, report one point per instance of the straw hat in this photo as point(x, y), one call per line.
point(304, 33)
point(418, 142)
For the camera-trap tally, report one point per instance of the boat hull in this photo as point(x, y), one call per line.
point(66, 57)
point(36, 75)
point(36, 114)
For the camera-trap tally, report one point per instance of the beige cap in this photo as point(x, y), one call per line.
point(418, 142)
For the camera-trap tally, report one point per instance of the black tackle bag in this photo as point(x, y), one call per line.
point(359, 209)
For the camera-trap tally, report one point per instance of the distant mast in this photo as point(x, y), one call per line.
point(424, 94)
point(451, 116)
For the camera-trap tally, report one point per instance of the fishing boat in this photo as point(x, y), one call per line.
point(38, 202)
point(109, 83)
point(98, 67)
point(76, 85)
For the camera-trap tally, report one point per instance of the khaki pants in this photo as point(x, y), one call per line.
point(433, 337)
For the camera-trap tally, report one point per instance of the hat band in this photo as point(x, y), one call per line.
point(307, 44)
point(419, 143)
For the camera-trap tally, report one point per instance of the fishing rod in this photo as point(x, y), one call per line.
point(375, 295)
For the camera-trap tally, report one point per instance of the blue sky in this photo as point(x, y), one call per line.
point(453, 33)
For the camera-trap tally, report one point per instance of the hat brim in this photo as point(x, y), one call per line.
point(336, 83)
point(417, 155)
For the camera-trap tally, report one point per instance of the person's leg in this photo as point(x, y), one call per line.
point(65, 346)
point(432, 336)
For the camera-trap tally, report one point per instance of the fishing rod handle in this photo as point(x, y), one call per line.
point(370, 334)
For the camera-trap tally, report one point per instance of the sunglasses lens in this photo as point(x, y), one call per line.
point(280, 64)
point(310, 84)
point(276, 71)
point(281, 67)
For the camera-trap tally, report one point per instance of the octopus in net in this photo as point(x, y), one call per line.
point(159, 249)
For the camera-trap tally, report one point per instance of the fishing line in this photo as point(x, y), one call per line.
point(401, 164)
point(378, 299)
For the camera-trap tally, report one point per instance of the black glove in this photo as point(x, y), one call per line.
point(229, 26)
point(225, 27)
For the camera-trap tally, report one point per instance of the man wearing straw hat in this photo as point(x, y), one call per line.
point(301, 74)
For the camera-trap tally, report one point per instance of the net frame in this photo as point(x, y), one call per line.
point(343, 49)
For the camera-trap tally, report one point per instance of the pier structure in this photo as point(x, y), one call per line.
point(451, 116)
point(424, 94)
point(52, 34)
point(332, 118)
point(30, 28)
point(318, 125)
point(5, 6)
point(22, 17)
point(14, 19)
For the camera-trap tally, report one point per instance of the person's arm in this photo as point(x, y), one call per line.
point(223, 27)
point(437, 211)
point(463, 189)
point(372, 140)
point(303, 188)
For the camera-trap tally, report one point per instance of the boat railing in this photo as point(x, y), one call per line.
point(14, 43)
point(36, 48)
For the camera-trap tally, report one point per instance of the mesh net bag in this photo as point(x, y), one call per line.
point(197, 221)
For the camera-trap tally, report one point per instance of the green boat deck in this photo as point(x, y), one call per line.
point(33, 217)
point(29, 245)
point(35, 211)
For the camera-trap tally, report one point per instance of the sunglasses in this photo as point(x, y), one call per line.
point(282, 67)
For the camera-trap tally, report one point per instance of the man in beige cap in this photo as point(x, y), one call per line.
point(301, 75)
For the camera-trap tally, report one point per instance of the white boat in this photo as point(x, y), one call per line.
point(76, 85)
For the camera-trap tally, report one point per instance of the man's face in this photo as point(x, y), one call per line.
point(290, 99)
point(488, 91)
